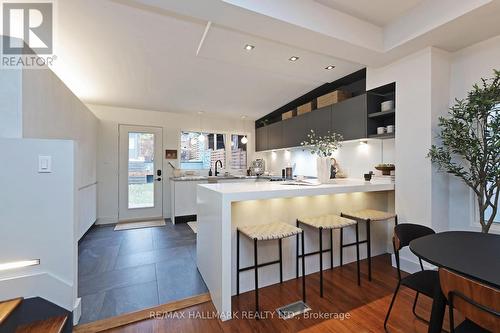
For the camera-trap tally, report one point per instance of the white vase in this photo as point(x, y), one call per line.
point(323, 165)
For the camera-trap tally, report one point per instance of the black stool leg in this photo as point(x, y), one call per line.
point(281, 260)
point(256, 279)
point(369, 249)
point(341, 246)
point(303, 269)
point(357, 252)
point(321, 262)
point(237, 262)
point(297, 256)
point(331, 248)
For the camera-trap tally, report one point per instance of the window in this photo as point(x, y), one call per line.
point(238, 153)
point(201, 151)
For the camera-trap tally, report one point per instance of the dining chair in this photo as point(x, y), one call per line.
point(423, 282)
point(480, 304)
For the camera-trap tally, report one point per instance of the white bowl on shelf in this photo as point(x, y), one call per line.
point(386, 106)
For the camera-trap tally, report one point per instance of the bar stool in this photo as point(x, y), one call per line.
point(264, 232)
point(366, 215)
point(330, 222)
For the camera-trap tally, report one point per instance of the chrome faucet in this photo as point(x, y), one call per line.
point(217, 172)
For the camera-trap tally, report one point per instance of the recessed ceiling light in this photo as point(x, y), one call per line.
point(294, 58)
point(330, 67)
point(249, 47)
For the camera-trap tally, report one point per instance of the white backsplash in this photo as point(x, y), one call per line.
point(354, 158)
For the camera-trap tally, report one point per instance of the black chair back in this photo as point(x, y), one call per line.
point(404, 233)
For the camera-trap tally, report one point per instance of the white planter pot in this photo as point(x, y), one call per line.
point(323, 166)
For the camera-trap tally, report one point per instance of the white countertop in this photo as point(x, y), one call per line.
point(267, 190)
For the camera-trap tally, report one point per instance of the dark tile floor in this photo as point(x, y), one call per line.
point(129, 270)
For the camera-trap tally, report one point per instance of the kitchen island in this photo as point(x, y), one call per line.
point(221, 208)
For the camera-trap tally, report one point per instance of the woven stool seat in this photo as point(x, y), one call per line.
point(276, 230)
point(327, 221)
point(369, 214)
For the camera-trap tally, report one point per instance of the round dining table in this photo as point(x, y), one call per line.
point(472, 254)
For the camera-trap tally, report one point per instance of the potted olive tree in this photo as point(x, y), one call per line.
point(470, 145)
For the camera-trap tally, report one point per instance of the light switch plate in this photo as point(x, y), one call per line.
point(44, 164)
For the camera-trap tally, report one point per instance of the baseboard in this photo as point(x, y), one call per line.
point(410, 265)
point(77, 311)
point(106, 220)
point(129, 318)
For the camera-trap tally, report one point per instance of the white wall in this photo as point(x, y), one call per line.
point(353, 158)
point(11, 125)
point(48, 219)
point(51, 111)
point(37, 220)
point(172, 124)
point(413, 132)
point(468, 66)
point(422, 83)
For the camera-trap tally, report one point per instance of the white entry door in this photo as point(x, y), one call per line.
point(140, 173)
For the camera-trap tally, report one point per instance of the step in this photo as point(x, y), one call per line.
point(51, 325)
point(7, 307)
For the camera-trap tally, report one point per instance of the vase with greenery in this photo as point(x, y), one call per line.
point(323, 147)
point(470, 145)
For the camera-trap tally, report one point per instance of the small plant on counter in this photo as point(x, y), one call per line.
point(470, 145)
point(323, 146)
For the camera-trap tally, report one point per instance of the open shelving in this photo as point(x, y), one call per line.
point(377, 117)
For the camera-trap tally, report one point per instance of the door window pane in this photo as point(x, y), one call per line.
point(238, 153)
point(141, 170)
point(202, 152)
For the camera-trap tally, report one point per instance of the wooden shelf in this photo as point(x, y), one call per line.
point(382, 114)
point(382, 136)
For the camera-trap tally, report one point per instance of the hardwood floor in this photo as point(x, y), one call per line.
point(345, 307)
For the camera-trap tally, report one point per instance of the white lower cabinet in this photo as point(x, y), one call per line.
point(183, 197)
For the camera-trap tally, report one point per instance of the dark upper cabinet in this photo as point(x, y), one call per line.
point(319, 120)
point(294, 131)
point(349, 118)
point(275, 135)
point(261, 139)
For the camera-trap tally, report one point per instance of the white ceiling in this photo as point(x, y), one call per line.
point(378, 12)
point(143, 53)
point(125, 56)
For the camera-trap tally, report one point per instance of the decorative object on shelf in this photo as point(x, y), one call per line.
point(171, 154)
point(334, 168)
point(305, 108)
point(368, 176)
point(390, 129)
point(332, 98)
point(469, 146)
point(176, 172)
point(386, 106)
point(380, 130)
point(386, 168)
point(264, 122)
point(323, 147)
point(287, 115)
